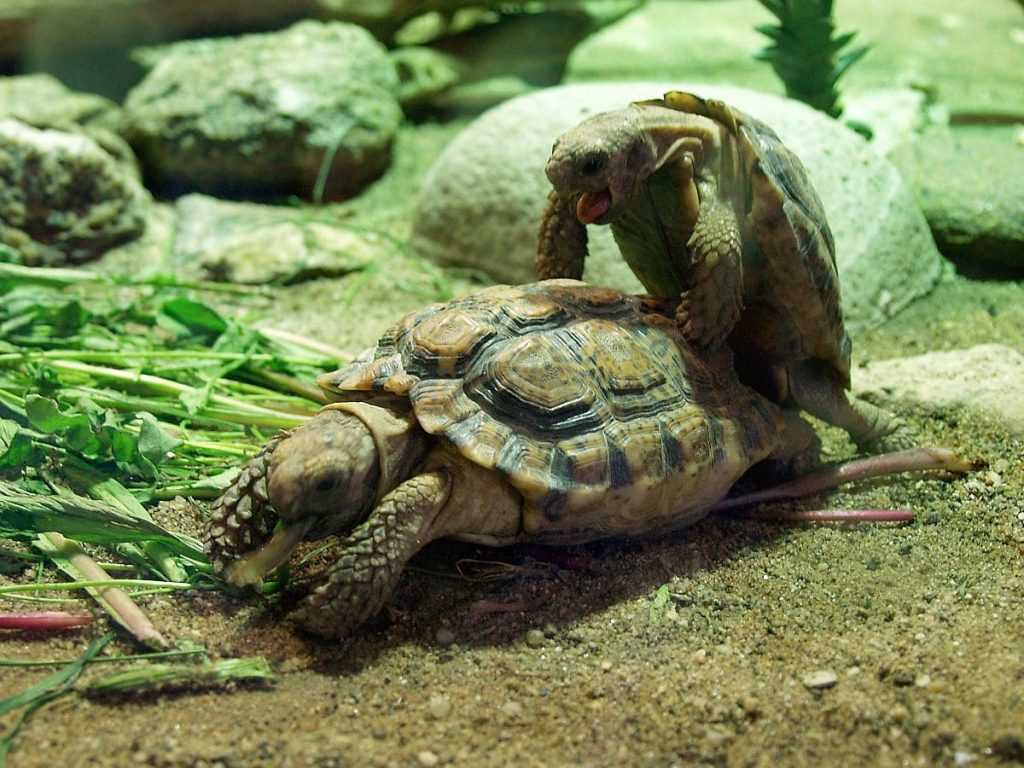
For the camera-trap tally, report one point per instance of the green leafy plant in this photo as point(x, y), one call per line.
point(115, 393)
point(806, 53)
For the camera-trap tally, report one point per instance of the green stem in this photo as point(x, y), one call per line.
point(250, 416)
point(169, 586)
point(119, 659)
point(156, 384)
point(305, 342)
point(93, 356)
point(57, 277)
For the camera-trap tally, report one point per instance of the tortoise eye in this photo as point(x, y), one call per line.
point(327, 485)
point(592, 164)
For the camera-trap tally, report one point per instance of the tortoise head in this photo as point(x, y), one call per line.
point(598, 166)
point(326, 474)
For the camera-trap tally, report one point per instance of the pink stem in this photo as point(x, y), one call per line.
point(831, 515)
point(43, 620)
point(913, 459)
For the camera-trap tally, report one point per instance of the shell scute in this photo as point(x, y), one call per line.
point(532, 377)
point(443, 342)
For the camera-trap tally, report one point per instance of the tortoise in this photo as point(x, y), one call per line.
point(706, 204)
point(553, 413)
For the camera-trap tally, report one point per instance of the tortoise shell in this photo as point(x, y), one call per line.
point(580, 397)
point(795, 308)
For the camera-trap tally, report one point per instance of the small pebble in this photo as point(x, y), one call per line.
point(899, 714)
point(606, 666)
point(511, 709)
point(428, 759)
point(439, 707)
point(444, 636)
point(535, 638)
point(993, 479)
point(823, 678)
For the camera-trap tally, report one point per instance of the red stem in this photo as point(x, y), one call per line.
point(43, 620)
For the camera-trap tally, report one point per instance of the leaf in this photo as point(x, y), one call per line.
point(9, 255)
point(16, 448)
point(85, 520)
point(45, 414)
point(69, 319)
point(76, 429)
point(154, 441)
point(661, 596)
point(196, 399)
point(198, 318)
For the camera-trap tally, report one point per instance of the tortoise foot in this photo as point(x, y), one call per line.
point(373, 557)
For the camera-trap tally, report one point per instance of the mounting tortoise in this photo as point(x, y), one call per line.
point(707, 205)
point(553, 412)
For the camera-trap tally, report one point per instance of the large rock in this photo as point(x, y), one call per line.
point(43, 101)
point(481, 203)
point(970, 185)
point(41, 98)
point(988, 379)
point(268, 114)
point(63, 198)
point(250, 243)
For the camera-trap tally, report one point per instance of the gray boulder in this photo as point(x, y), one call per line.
point(250, 243)
point(63, 198)
point(42, 101)
point(481, 203)
point(969, 181)
point(41, 98)
point(987, 379)
point(311, 111)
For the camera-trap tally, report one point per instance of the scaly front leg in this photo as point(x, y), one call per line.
point(374, 555)
point(241, 518)
point(710, 307)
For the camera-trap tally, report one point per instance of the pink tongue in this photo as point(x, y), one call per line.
point(593, 205)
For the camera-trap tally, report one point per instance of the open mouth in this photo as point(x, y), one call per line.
point(593, 205)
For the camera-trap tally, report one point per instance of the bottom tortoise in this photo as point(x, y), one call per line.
point(553, 412)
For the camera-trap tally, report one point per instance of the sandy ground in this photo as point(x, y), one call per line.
point(565, 657)
point(569, 659)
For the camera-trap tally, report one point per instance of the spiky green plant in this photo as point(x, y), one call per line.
point(805, 51)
